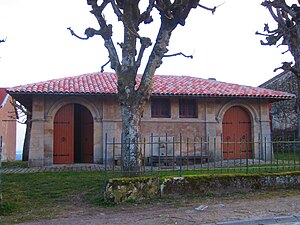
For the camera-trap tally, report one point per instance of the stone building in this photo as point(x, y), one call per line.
point(7, 127)
point(72, 116)
point(284, 113)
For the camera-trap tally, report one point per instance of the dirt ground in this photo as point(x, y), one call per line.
point(185, 210)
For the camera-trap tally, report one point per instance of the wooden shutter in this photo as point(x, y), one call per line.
point(237, 137)
point(87, 139)
point(64, 135)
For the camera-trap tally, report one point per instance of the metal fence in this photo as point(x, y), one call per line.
point(169, 155)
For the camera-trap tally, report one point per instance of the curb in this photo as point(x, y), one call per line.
point(272, 220)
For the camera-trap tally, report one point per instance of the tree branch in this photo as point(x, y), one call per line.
point(20, 114)
point(280, 4)
point(73, 34)
point(116, 10)
point(145, 16)
point(271, 39)
point(102, 67)
point(179, 53)
point(213, 10)
point(105, 31)
point(145, 43)
point(287, 66)
point(269, 7)
point(171, 16)
point(290, 10)
point(154, 61)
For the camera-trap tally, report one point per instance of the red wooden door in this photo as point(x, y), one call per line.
point(87, 139)
point(64, 135)
point(237, 138)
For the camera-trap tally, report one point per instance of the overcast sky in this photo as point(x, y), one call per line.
point(39, 47)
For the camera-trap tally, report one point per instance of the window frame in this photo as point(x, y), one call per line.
point(189, 105)
point(161, 104)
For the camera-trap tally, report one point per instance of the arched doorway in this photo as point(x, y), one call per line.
point(73, 135)
point(237, 134)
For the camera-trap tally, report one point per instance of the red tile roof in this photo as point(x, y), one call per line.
point(106, 83)
point(3, 95)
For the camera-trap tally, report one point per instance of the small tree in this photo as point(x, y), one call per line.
point(132, 95)
point(287, 33)
point(23, 116)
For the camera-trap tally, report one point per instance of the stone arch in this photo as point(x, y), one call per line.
point(76, 100)
point(73, 135)
point(49, 125)
point(249, 108)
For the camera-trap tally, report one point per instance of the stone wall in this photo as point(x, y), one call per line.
point(106, 114)
point(124, 189)
point(284, 115)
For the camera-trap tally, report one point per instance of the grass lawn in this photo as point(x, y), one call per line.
point(14, 164)
point(43, 195)
point(33, 196)
point(287, 156)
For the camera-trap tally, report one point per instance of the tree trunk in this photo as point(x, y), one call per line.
point(26, 144)
point(131, 118)
point(296, 54)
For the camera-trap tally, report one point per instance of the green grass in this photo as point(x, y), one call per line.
point(44, 195)
point(14, 164)
point(34, 196)
point(275, 167)
point(287, 156)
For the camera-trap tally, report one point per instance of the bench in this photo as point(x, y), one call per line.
point(176, 160)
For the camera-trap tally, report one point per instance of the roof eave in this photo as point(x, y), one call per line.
point(274, 98)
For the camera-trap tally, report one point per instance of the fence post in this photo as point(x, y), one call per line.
point(247, 155)
point(0, 172)
point(159, 153)
point(215, 152)
point(271, 149)
point(144, 153)
point(195, 152)
point(265, 148)
point(151, 152)
point(180, 153)
point(105, 165)
point(187, 153)
point(173, 145)
point(114, 154)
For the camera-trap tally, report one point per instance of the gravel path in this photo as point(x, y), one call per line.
point(187, 211)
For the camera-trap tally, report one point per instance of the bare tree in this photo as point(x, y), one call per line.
point(23, 116)
point(132, 95)
point(287, 33)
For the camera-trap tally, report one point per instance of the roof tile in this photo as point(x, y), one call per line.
point(106, 83)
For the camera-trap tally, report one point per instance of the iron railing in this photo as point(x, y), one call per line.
point(204, 155)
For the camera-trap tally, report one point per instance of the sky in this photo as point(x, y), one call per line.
point(224, 46)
